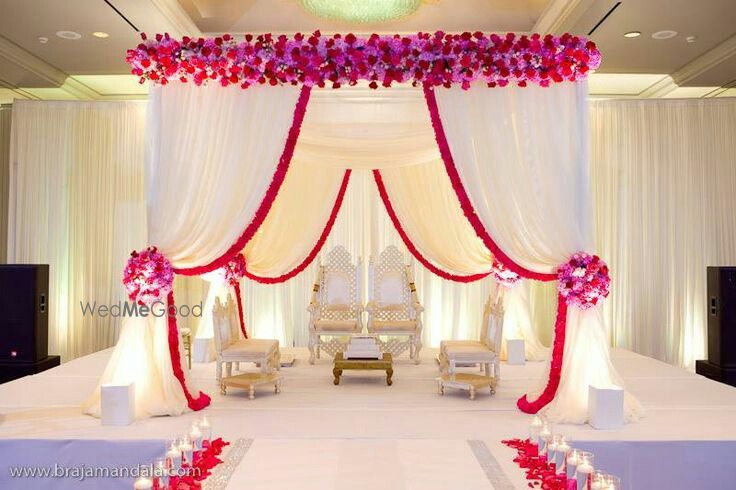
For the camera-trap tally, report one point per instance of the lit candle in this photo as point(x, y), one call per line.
point(561, 455)
point(534, 429)
point(544, 437)
point(571, 464)
point(173, 457)
point(583, 474)
point(206, 428)
point(161, 473)
point(143, 483)
point(196, 436)
point(186, 449)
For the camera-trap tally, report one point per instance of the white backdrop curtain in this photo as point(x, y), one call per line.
point(663, 179)
point(522, 156)
point(5, 115)
point(634, 145)
point(76, 203)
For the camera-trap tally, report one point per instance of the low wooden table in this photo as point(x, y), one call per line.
point(249, 381)
point(384, 364)
point(466, 381)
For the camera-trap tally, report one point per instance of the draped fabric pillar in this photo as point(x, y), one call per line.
point(518, 159)
point(215, 165)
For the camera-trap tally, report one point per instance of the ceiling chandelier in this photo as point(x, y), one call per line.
point(361, 11)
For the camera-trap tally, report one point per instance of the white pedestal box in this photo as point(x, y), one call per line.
point(606, 407)
point(117, 404)
point(516, 351)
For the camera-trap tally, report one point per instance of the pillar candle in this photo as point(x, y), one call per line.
point(143, 484)
point(173, 457)
point(534, 429)
point(196, 436)
point(561, 455)
point(544, 436)
point(582, 476)
point(571, 464)
point(205, 428)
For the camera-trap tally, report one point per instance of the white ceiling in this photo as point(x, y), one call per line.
point(95, 68)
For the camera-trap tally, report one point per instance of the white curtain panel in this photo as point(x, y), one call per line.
point(430, 214)
point(664, 174)
point(296, 220)
point(522, 156)
point(518, 323)
point(5, 113)
point(76, 202)
point(211, 156)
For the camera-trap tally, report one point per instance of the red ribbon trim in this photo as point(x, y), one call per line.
point(555, 368)
point(268, 200)
point(462, 195)
point(407, 241)
point(317, 247)
point(203, 400)
point(238, 297)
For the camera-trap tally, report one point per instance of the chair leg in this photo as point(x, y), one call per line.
point(417, 348)
point(237, 366)
point(219, 370)
point(311, 348)
point(228, 369)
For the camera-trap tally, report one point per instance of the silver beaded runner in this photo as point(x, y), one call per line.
point(221, 473)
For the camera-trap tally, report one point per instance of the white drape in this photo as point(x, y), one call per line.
point(522, 155)
point(76, 203)
point(360, 128)
point(434, 220)
point(211, 155)
point(518, 323)
point(663, 174)
point(5, 113)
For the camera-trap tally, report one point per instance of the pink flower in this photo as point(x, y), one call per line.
point(583, 280)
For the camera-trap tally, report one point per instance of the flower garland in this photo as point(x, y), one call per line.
point(437, 59)
point(555, 364)
point(503, 275)
point(148, 276)
point(539, 471)
point(583, 280)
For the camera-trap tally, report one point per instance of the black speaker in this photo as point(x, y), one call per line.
point(721, 363)
point(24, 325)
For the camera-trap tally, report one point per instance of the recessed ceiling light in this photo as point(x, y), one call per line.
point(632, 34)
point(659, 35)
point(691, 39)
point(100, 34)
point(43, 40)
point(69, 35)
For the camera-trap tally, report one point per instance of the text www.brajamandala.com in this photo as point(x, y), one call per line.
point(84, 472)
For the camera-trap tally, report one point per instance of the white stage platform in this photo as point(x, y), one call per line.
point(363, 434)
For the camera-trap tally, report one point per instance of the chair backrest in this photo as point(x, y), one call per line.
point(389, 288)
point(491, 332)
point(339, 286)
point(220, 326)
point(233, 319)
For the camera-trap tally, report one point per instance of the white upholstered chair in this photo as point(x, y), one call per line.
point(393, 309)
point(486, 352)
point(335, 309)
point(231, 349)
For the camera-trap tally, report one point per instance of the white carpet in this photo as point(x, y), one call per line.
point(321, 435)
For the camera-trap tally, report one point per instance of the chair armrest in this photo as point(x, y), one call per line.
point(417, 307)
point(370, 307)
point(313, 307)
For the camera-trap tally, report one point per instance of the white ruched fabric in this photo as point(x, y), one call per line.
point(360, 128)
point(522, 156)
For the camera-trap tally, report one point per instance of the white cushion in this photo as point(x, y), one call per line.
point(337, 288)
point(336, 325)
point(395, 325)
point(459, 344)
point(250, 349)
point(469, 352)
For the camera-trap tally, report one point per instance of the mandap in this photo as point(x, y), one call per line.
point(478, 145)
